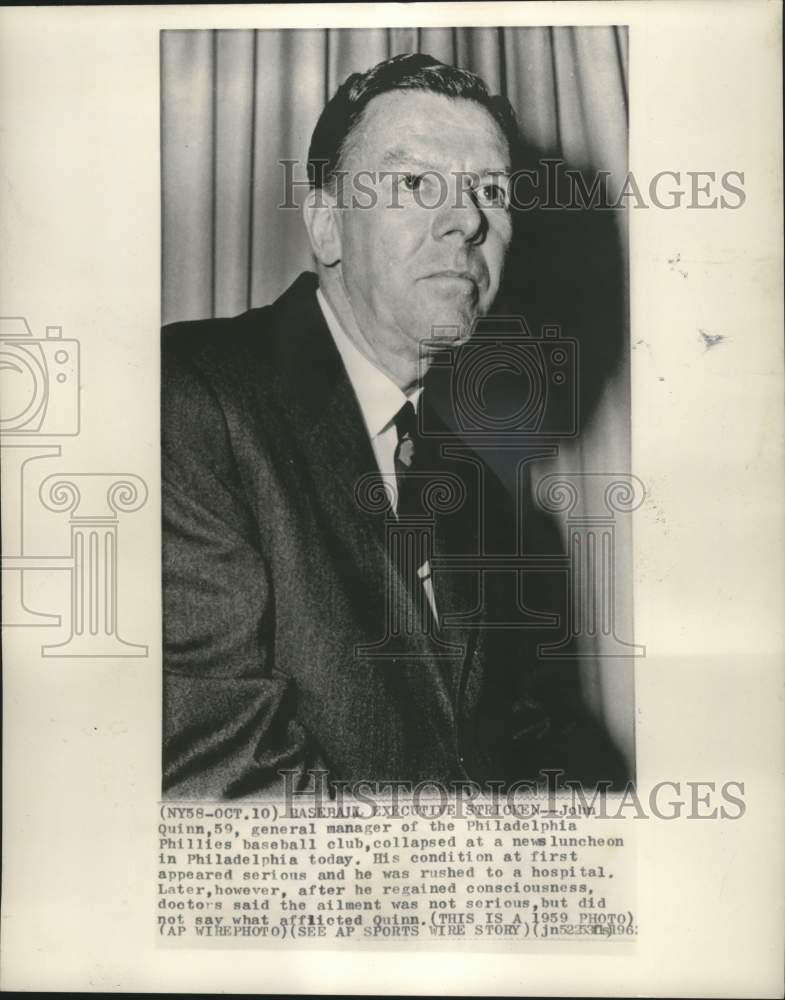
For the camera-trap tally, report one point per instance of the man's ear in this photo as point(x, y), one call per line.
point(320, 217)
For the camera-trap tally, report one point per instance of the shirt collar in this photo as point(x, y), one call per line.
point(379, 397)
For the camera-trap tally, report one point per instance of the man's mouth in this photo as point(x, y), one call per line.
point(456, 276)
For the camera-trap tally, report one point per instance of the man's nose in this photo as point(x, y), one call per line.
point(460, 213)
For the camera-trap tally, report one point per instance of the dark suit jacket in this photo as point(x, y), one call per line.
point(273, 575)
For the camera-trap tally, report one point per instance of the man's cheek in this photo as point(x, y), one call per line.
point(496, 261)
point(502, 239)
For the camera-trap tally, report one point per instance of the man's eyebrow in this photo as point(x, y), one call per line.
point(504, 171)
point(400, 156)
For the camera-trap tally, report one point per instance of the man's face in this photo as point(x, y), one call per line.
point(430, 249)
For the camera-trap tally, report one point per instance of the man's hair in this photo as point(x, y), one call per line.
point(343, 112)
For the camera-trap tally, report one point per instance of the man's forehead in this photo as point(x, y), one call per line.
point(435, 125)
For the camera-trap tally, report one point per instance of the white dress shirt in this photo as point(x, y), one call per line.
point(380, 399)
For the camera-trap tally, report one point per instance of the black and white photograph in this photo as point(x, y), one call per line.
point(395, 408)
point(391, 445)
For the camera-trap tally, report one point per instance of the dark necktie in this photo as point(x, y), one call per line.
point(407, 454)
point(410, 466)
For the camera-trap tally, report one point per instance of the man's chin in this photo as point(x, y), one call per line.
point(449, 324)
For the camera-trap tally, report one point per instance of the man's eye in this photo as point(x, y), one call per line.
point(492, 195)
point(412, 182)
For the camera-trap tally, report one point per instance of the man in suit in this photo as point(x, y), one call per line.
point(309, 623)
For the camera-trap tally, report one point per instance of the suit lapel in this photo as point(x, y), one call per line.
point(329, 433)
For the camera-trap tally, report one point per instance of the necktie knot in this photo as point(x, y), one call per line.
point(406, 426)
point(406, 421)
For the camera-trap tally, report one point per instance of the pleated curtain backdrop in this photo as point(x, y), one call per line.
point(236, 103)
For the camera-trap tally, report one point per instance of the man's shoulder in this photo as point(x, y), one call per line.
point(208, 341)
point(255, 340)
